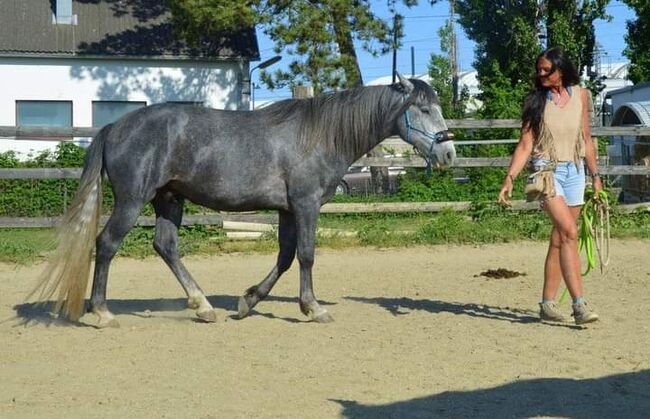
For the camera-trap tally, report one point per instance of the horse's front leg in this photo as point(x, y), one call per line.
point(306, 221)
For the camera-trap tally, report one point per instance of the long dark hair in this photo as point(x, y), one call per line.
point(535, 102)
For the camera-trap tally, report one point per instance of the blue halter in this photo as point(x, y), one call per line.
point(436, 138)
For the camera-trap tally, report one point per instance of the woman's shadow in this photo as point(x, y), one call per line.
point(401, 306)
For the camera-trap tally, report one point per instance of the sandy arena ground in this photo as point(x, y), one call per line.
point(418, 334)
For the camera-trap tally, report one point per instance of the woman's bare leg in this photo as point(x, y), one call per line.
point(552, 267)
point(563, 250)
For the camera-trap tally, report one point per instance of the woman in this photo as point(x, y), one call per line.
point(555, 131)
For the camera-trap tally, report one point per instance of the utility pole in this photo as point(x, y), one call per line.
point(597, 77)
point(453, 53)
point(397, 22)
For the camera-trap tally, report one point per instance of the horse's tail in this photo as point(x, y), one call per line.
point(68, 269)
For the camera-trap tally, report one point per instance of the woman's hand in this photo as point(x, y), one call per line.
point(597, 184)
point(506, 192)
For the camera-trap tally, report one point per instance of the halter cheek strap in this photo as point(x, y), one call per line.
point(436, 138)
point(410, 127)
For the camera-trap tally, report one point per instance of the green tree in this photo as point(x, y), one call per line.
point(638, 41)
point(318, 35)
point(505, 33)
point(198, 21)
point(569, 24)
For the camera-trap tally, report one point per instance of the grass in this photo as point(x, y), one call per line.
point(481, 225)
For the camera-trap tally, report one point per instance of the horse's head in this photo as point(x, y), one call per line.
point(422, 124)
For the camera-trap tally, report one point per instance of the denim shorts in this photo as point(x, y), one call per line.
point(569, 180)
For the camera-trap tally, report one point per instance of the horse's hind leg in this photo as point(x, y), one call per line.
point(287, 240)
point(118, 225)
point(169, 213)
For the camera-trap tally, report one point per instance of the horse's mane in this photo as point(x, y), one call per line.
point(349, 121)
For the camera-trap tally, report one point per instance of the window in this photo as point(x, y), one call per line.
point(105, 112)
point(51, 113)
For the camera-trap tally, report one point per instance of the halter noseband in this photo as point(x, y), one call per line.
point(435, 137)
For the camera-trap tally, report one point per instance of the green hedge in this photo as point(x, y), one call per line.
point(40, 197)
point(50, 197)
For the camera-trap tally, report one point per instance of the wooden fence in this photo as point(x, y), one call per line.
point(61, 133)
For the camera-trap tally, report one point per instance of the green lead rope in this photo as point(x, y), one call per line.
point(593, 234)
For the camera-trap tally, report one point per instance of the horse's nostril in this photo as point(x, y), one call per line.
point(450, 156)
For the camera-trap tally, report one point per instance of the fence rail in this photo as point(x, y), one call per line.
point(67, 133)
point(411, 161)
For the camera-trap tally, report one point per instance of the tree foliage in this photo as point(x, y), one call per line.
point(197, 20)
point(569, 24)
point(507, 35)
point(318, 35)
point(638, 41)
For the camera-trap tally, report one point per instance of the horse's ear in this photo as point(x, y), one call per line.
point(404, 84)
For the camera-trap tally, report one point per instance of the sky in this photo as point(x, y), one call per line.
point(421, 26)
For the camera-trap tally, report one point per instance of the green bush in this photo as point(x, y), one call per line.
point(50, 197)
point(40, 197)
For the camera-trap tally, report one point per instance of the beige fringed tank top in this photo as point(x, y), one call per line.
point(561, 138)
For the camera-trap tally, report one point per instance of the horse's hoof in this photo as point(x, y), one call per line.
point(193, 303)
point(242, 307)
point(322, 317)
point(105, 319)
point(208, 316)
point(106, 323)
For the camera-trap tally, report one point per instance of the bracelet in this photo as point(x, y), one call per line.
point(595, 175)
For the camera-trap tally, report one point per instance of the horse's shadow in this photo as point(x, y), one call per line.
point(41, 312)
point(620, 395)
point(401, 306)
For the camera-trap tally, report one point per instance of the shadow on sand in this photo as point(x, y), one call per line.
point(30, 313)
point(402, 306)
point(622, 395)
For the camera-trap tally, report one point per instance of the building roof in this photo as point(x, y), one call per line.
point(632, 88)
point(109, 29)
point(632, 113)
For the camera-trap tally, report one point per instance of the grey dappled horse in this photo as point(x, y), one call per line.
point(289, 156)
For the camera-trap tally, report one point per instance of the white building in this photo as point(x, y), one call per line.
point(84, 64)
point(630, 106)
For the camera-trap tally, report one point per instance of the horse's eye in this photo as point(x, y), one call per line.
point(425, 111)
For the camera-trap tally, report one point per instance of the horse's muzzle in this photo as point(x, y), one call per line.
point(444, 152)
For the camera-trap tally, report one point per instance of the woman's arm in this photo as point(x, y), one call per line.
point(590, 151)
point(519, 159)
